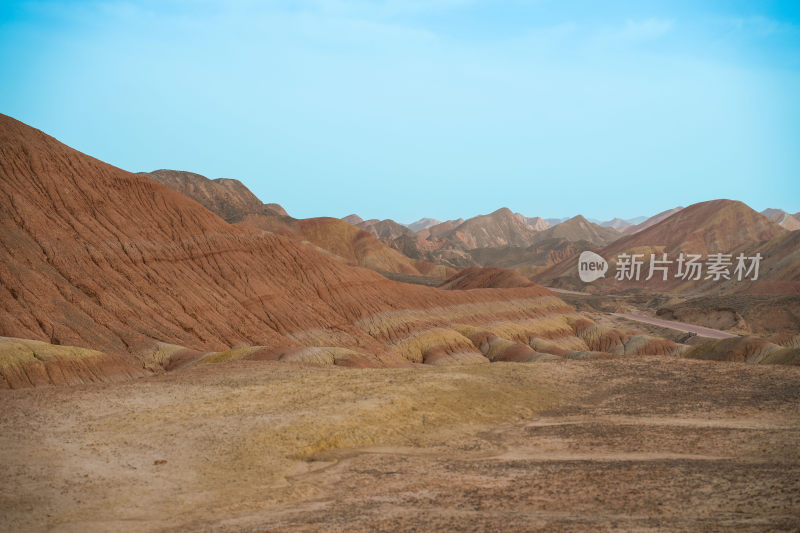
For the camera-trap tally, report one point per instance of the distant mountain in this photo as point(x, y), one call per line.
point(780, 269)
point(579, 229)
point(228, 198)
point(790, 222)
point(485, 278)
point(112, 272)
point(440, 229)
point(619, 224)
point(500, 239)
point(500, 228)
point(359, 247)
point(234, 202)
point(555, 221)
point(353, 219)
point(614, 223)
point(385, 230)
point(717, 226)
point(655, 219)
point(703, 228)
point(548, 247)
point(537, 223)
point(448, 243)
point(532, 259)
point(423, 223)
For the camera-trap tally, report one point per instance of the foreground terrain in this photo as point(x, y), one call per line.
point(633, 444)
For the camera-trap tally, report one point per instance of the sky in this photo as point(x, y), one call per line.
point(405, 109)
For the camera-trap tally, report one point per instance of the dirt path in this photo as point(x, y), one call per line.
point(680, 326)
point(565, 291)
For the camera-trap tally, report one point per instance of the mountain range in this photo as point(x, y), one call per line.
point(234, 203)
point(504, 239)
point(713, 227)
point(106, 275)
point(790, 222)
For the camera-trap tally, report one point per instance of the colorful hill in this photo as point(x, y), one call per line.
point(717, 226)
point(653, 220)
point(99, 258)
point(484, 278)
point(784, 219)
point(234, 202)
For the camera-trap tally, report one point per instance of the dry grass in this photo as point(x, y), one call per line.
point(230, 433)
point(635, 444)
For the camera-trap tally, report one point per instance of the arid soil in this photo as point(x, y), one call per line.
point(639, 444)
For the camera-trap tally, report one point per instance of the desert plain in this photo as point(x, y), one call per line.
point(629, 444)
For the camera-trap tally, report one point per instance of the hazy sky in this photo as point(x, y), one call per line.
point(409, 108)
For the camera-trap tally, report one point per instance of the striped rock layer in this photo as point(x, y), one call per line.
point(95, 257)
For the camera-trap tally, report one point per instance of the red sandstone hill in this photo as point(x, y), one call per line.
point(95, 257)
point(548, 247)
point(358, 247)
point(485, 277)
point(717, 226)
point(386, 230)
point(228, 198)
point(500, 228)
point(652, 221)
point(450, 243)
point(579, 229)
point(781, 217)
point(500, 239)
point(235, 203)
point(423, 223)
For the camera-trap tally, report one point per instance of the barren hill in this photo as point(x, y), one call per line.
point(228, 198)
point(485, 277)
point(703, 228)
point(653, 220)
point(716, 226)
point(579, 229)
point(450, 243)
point(423, 223)
point(358, 247)
point(386, 230)
point(787, 221)
point(96, 257)
point(500, 228)
point(353, 219)
point(234, 202)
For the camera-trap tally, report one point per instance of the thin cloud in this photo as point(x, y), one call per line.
point(642, 30)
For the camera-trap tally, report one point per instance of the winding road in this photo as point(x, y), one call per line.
point(680, 326)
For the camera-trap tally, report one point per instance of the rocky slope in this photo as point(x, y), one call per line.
point(653, 220)
point(485, 277)
point(423, 223)
point(386, 231)
point(717, 226)
point(753, 350)
point(95, 257)
point(228, 198)
point(578, 229)
point(28, 363)
point(500, 228)
point(234, 202)
point(358, 247)
point(779, 216)
point(450, 243)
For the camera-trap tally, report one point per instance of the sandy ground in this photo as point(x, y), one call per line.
point(632, 444)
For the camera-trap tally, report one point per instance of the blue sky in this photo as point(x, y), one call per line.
point(409, 108)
